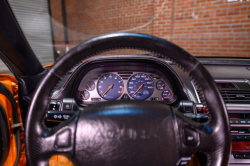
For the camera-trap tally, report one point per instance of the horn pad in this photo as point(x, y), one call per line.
point(126, 132)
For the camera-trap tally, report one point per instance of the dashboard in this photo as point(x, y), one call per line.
point(156, 80)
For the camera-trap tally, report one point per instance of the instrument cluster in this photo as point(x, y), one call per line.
point(124, 85)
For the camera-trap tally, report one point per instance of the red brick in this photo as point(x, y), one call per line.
point(237, 26)
point(234, 13)
point(221, 14)
point(217, 53)
point(203, 27)
point(240, 17)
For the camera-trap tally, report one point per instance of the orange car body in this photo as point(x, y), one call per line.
point(11, 83)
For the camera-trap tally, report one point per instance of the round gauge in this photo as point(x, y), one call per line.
point(110, 86)
point(90, 85)
point(140, 86)
point(84, 95)
point(160, 85)
point(166, 94)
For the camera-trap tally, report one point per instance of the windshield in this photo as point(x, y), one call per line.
point(210, 28)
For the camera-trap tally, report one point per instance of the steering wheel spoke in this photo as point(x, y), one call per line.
point(59, 140)
point(196, 137)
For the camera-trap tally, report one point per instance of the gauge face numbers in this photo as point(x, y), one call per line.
point(84, 95)
point(140, 86)
point(90, 85)
point(160, 85)
point(110, 86)
point(167, 95)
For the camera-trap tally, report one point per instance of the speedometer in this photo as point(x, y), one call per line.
point(110, 86)
point(140, 86)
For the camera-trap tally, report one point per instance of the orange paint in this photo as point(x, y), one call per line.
point(59, 160)
point(48, 65)
point(11, 83)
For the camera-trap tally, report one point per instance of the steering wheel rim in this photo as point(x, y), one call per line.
point(40, 141)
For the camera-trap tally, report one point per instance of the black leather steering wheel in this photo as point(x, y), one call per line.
point(127, 132)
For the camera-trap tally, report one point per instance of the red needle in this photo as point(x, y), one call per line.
point(168, 95)
point(138, 89)
point(88, 86)
point(83, 96)
point(161, 86)
point(108, 89)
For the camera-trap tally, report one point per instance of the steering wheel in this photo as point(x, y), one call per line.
point(128, 132)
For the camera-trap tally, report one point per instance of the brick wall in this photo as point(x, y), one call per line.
point(202, 27)
point(57, 22)
point(213, 28)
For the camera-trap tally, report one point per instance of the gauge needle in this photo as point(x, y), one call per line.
point(162, 86)
point(89, 86)
point(138, 89)
point(83, 96)
point(107, 89)
point(167, 95)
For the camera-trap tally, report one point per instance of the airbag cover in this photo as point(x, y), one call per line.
point(126, 133)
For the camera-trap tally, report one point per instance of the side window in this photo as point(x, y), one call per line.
point(34, 20)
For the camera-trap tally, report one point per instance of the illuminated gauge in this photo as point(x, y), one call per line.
point(140, 86)
point(160, 85)
point(90, 85)
point(84, 95)
point(110, 86)
point(166, 94)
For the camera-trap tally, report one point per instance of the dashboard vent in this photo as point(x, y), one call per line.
point(236, 96)
point(231, 95)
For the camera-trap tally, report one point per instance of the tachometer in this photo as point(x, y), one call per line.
point(140, 86)
point(110, 86)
